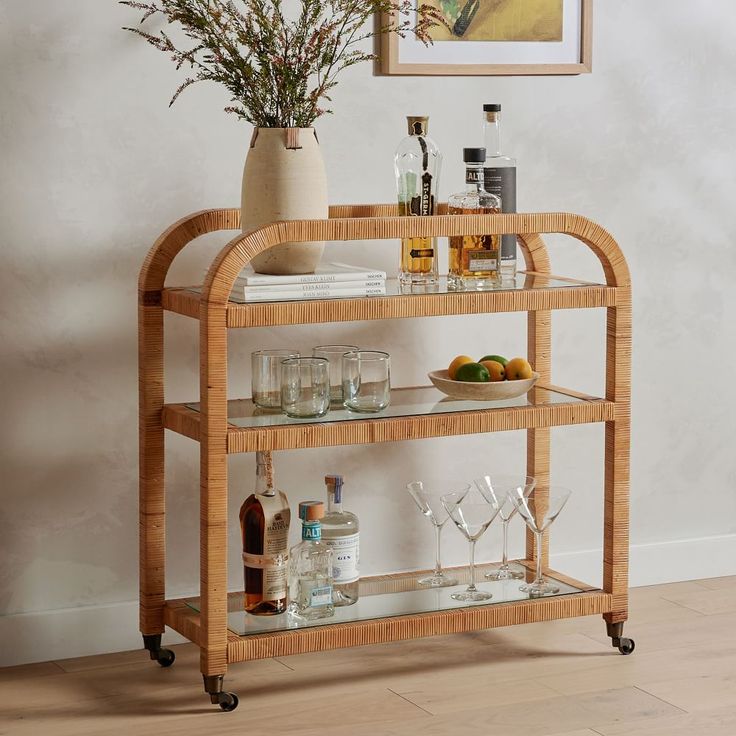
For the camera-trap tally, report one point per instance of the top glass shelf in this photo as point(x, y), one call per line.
point(522, 281)
point(528, 292)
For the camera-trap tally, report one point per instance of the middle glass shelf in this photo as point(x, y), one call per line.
point(405, 402)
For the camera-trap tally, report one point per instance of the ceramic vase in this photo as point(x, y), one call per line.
point(284, 179)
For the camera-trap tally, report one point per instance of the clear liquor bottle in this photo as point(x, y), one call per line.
point(310, 567)
point(340, 532)
point(417, 165)
point(474, 259)
point(264, 525)
point(500, 179)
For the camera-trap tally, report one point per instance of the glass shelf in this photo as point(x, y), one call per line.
point(522, 281)
point(395, 595)
point(405, 402)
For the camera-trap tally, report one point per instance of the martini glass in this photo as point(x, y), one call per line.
point(504, 486)
point(428, 502)
point(539, 509)
point(472, 511)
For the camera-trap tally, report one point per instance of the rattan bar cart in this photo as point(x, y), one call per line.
point(212, 422)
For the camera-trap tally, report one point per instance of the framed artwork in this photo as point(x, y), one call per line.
point(497, 37)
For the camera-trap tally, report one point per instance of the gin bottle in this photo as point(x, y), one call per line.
point(417, 167)
point(474, 259)
point(264, 525)
point(310, 567)
point(500, 179)
point(340, 533)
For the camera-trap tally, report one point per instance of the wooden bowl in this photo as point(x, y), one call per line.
point(492, 391)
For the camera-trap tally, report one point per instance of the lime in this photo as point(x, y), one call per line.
point(498, 358)
point(474, 372)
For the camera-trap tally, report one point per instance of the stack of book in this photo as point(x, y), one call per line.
point(329, 281)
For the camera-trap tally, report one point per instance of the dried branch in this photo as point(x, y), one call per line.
point(278, 70)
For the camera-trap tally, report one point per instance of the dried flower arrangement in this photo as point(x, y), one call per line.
point(279, 69)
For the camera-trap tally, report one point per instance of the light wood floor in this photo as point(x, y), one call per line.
point(560, 678)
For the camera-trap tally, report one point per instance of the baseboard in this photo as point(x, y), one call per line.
point(658, 562)
point(78, 632)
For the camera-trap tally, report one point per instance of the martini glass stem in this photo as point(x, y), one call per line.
point(472, 587)
point(437, 563)
point(505, 558)
point(539, 579)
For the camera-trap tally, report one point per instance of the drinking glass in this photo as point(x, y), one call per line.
point(472, 510)
point(266, 376)
point(366, 380)
point(539, 509)
point(334, 354)
point(505, 485)
point(429, 503)
point(305, 387)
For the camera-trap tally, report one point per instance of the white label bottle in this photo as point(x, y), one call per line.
point(340, 532)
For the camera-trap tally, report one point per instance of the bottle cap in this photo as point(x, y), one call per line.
point(417, 124)
point(491, 107)
point(311, 510)
point(334, 486)
point(474, 155)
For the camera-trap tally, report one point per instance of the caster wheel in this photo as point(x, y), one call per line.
point(626, 646)
point(228, 701)
point(165, 657)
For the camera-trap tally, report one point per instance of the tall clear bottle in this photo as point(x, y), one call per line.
point(264, 525)
point(474, 259)
point(310, 567)
point(340, 532)
point(417, 165)
point(500, 179)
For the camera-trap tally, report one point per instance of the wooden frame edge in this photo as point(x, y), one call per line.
point(391, 66)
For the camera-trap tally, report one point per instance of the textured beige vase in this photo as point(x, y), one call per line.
point(284, 179)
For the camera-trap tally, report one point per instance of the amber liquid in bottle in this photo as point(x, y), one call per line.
point(264, 523)
point(475, 260)
point(474, 257)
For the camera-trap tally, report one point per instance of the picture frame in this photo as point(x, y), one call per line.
point(571, 55)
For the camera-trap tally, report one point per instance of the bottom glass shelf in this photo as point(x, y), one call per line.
point(391, 595)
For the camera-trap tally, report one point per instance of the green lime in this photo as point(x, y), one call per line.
point(498, 358)
point(474, 372)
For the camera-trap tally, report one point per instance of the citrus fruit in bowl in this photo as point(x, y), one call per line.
point(481, 391)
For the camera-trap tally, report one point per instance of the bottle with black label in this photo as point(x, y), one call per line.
point(417, 168)
point(500, 179)
point(264, 523)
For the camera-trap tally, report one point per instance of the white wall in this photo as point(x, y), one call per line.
point(94, 166)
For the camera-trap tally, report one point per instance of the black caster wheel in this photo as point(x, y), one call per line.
point(228, 701)
point(626, 646)
point(165, 657)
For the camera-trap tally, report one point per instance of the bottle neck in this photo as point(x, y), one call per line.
point(492, 134)
point(264, 479)
point(473, 177)
point(311, 531)
point(333, 504)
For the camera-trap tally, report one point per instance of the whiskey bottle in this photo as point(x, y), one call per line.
point(310, 567)
point(500, 179)
point(340, 533)
point(417, 166)
point(474, 259)
point(264, 524)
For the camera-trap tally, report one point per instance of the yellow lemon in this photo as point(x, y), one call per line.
point(518, 368)
point(460, 360)
point(495, 369)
